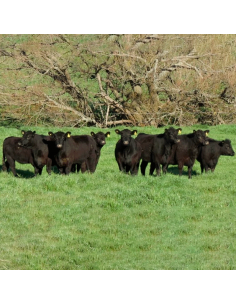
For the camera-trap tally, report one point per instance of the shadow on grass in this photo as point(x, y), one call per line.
point(26, 174)
point(175, 171)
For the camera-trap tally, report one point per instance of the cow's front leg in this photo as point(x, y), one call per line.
point(134, 169)
point(120, 164)
point(68, 169)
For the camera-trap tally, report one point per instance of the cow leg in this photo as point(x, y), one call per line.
point(49, 166)
point(40, 171)
point(84, 167)
point(180, 167)
point(73, 168)
point(164, 168)
point(68, 169)
point(190, 172)
point(5, 164)
point(158, 168)
point(155, 164)
point(11, 164)
point(121, 167)
point(159, 171)
point(143, 167)
point(202, 168)
point(127, 169)
point(61, 170)
point(134, 169)
point(152, 168)
point(36, 171)
point(89, 164)
point(78, 167)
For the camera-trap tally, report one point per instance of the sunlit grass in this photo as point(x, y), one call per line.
point(110, 220)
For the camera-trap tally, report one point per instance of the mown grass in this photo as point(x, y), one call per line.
point(110, 220)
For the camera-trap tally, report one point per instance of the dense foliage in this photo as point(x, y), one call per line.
point(105, 80)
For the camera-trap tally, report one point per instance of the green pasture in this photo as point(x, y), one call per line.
point(109, 220)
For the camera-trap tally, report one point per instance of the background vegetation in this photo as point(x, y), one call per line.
point(106, 80)
point(110, 220)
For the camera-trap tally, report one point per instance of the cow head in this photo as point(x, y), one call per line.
point(59, 138)
point(100, 137)
point(172, 134)
point(200, 137)
point(27, 138)
point(226, 148)
point(126, 135)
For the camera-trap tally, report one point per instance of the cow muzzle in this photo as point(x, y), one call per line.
point(59, 145)
point(125, 142)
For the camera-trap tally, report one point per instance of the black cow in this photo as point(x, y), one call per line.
point(209, 155)
point(40, 150)
point(128, 152)
point(186, 151)
point(100, 139)
point(13, 152)
point(70, 150)
point(157, 148)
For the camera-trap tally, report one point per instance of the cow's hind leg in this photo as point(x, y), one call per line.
point(5, 166)
point(164, 168)
point(143, 167)
point(11, 164)
point(180, 167)
point(190, 171)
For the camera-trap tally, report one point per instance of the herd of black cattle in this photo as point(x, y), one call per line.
point(81, 152)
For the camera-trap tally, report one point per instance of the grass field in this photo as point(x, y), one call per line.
point(109, 220)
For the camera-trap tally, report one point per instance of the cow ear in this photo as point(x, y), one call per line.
point(206, 132)
point(68, 134)
point(194, 131)
point(134, 132)
point(117, 131)
point(222, 143)
point(50, 133)
point(22, 132)
point(92, 134)
point(179, 130)
point(107, 135)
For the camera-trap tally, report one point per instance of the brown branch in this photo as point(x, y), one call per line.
point(109, 101)
point(65, 107)
point(119, 122)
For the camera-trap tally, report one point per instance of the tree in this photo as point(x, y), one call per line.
point(103, 80)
